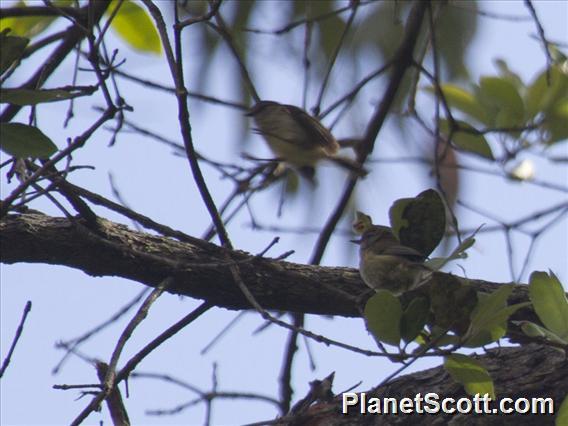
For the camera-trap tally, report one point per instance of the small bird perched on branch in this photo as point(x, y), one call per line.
point(385, 263)
point(297, 138)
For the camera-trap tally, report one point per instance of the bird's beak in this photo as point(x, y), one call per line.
point(356, 241)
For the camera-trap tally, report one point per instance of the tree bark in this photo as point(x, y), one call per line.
point(530, 371)
point(200, 269)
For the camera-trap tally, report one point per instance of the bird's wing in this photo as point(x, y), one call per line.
point(404, 251)
point(318, 133)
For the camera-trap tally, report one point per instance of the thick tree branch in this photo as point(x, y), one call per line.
point(200, 272)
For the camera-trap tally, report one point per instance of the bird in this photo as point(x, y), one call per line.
point(298, 138)
point(384, 262)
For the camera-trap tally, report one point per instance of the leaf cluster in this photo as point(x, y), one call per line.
point(524, 113)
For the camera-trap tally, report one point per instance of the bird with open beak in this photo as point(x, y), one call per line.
point(385, 263)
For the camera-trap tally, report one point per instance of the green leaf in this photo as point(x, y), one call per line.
point(486, 326)
point(505, 72)
point(550, 303)
point(471, 374)
point(22, 141)
point(467, 138)
point(489, 318)
point(438, 263)
point(462, 100)
point(556, 123)
point(419, 222)
point(11, 49)
point(542, 96)
point(25, 26)
point(531, 329)
point(502, 94)
point(534, 330)
point(30, 26)
point(507, 119)
point(494, 329)
point(414, 318)
point(562, 413)
point(34, 97)
point(382, 315)
point(135, 27)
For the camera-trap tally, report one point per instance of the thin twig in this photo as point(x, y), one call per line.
point(221, 28)
point(171, 331)
point(545, 42)
point(70, 345)
point(77, 143)
point(110, 379)
point(74, 34)
point(354, 5)
point(401, 62)
point(17, 336)
point(285, 380)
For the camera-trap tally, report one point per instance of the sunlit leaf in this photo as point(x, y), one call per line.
point(483, 317)
point(494, 328)
point(30, 26)
point(549, 301)
point(22, 141)
point(135, 27)
point(490, 316)
point(471, 374)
